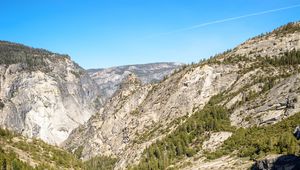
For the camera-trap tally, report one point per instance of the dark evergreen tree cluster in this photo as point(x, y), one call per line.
point(187, 139)
point(257, 142)
point(32, 58)
point(100, 163)
point(30, 61)
point(1, 104)
point(289, 28)
point(289, 58)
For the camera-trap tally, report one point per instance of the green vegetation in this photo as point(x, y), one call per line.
point(1, 104)
point(237, 59)
point(282, 31)
point(253, 142)
point(32, 62)
point(9, 160)
point(135, 112)
point(44, 156)
point(5, 134)
point(288, 58)
point(257, 142)
point(287, 29)
point(100, 163)
point(33, 59)
point(148, 134)
point(78, 152)
point(187, 139)
point(45, 153)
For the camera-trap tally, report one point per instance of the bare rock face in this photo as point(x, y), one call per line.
point(138, 115)
point(282, 39)
point(250, 102)
point(109, 79)
point(215, 140)
point(48, 96)
point(132, 111)
point(267, 108)
point(273, 162)
point(44, 95)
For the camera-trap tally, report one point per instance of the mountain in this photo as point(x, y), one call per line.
point(109, 79)
point(206, 115)
point(19, 152)
point(236, 110)
point(42, 94)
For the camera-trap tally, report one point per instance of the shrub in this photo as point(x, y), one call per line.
point(78, 152)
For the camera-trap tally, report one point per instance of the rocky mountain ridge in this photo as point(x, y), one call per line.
point(205, 115)
point(43, 94)
point(109, 79)
point(248, 79)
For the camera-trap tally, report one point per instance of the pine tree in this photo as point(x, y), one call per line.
point(4, 166)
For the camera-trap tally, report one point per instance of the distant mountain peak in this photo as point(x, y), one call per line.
point(130, 80)
point(110, 79)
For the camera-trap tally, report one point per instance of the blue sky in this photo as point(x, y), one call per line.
point(104, 33)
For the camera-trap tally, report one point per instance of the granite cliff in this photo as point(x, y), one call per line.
point(251, 81)
point(109, 79)
point(43, 94)
point(230, 111)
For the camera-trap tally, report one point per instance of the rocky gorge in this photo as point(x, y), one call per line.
point(162, 115)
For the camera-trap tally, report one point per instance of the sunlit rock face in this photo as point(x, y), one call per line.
point(136, 110)
point(44, 95)
point(109, 79)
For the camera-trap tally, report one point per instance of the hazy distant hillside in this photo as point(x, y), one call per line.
point(109, 79)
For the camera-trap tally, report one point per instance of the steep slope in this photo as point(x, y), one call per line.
point(147, 106)
point(257, 97)
point(109, 79)
point(43, 94)
point(248, 81)
point(18, 152)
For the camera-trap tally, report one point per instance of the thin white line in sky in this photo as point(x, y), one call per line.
point(229, 19)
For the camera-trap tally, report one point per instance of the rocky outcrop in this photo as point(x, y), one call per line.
point(215, 140)
point(274, 162)
point(282, 39)
point(124, 118)
point(266, 108)
point(225, 162)
point(240, 76)
point(44, 95)
point(109, 79)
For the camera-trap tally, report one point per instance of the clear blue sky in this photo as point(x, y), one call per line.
point(104, 33)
